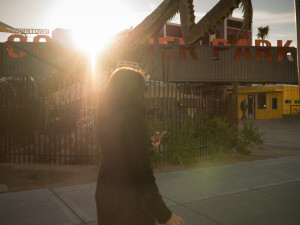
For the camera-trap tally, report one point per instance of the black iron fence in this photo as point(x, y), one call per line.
point(55, 123)
point(49, 102)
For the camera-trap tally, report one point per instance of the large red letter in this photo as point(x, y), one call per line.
point(258, 51)
point(165, 40)
point(191, 50)
point(258, 42)
point(240, 53)
point(10, 49)
point(163, 55)
point(282, 50)
point(242, 42)
point(37, 39)
point(216, 51)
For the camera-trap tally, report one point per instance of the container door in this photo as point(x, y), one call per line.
point(251, 107)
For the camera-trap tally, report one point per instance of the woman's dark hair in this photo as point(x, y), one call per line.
point(124, 89)
point(125, 86)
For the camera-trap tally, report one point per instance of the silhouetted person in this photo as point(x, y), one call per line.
point(126, 191)
point(244, 107)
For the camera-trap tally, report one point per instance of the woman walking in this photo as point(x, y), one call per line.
point(126, 191)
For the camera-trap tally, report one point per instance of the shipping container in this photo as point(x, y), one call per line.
point(269, 101)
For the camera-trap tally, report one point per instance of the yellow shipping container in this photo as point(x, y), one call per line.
point(269, 101)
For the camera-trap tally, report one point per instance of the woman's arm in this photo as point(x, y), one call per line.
point(155, 140)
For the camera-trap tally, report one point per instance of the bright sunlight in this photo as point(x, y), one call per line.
point(93, 22)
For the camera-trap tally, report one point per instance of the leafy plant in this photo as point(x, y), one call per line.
point(219, 136)
point(179, 145)
point(248, 137)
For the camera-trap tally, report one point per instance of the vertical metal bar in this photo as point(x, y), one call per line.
point(14, 148)
point(150, 99)
point(177, 105)
point(54, 113)
point(34, 138)
point(76, 130)
point(154, 87)
point(59, 112)
point(213, 102)
point(49, 101)
point(189, 96)
point(23, 125)
point(194, 113)
point(10, 125)
point(50, 134)
point(182, 98)
point(164, 105)
point(202, 118)
point(172, 101)
point(86, 127)
point(65, 134)
point(168, 102)
point(159, 113)
point(81, 154)
point(197, 111)
point(9, 148)
point(13, 129)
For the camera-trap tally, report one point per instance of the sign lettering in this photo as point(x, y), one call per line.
point(262, 47)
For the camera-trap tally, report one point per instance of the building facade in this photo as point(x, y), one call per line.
point(270, 101)
point(227, 30)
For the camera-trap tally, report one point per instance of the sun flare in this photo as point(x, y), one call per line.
point(94, 23)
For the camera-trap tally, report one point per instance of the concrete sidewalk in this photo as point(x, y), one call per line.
point(260, 192)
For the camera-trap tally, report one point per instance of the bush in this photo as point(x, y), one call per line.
point(179, 145)
point(218, 135)
point(249, 136)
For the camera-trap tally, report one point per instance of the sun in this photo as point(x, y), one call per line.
point(94, 23)
point(91, 43)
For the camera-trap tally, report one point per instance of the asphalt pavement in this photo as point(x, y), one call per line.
point(280, 133)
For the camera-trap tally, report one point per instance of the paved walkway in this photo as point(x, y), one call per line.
point(261, 192)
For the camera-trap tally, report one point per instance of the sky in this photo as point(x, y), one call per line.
point(94, 21)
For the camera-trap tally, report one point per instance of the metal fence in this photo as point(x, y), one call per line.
point(55, 123)
point(49, 102)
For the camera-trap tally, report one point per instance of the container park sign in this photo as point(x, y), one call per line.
point(240, 52)
point(226, 64)
point(169, 59)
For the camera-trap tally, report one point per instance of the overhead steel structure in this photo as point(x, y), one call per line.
point(9, 29)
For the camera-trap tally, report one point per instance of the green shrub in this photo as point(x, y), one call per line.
point(218, 135)
point(249, 136)
point(179, 145)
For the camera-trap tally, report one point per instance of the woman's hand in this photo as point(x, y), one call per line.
point(175, 220)
point(155, 140)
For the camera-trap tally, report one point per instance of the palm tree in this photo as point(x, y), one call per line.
point(263, 32)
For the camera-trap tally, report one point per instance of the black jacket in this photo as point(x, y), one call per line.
point(243, 106)
point(126, 191)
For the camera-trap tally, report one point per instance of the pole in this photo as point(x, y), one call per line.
point(297, 12)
